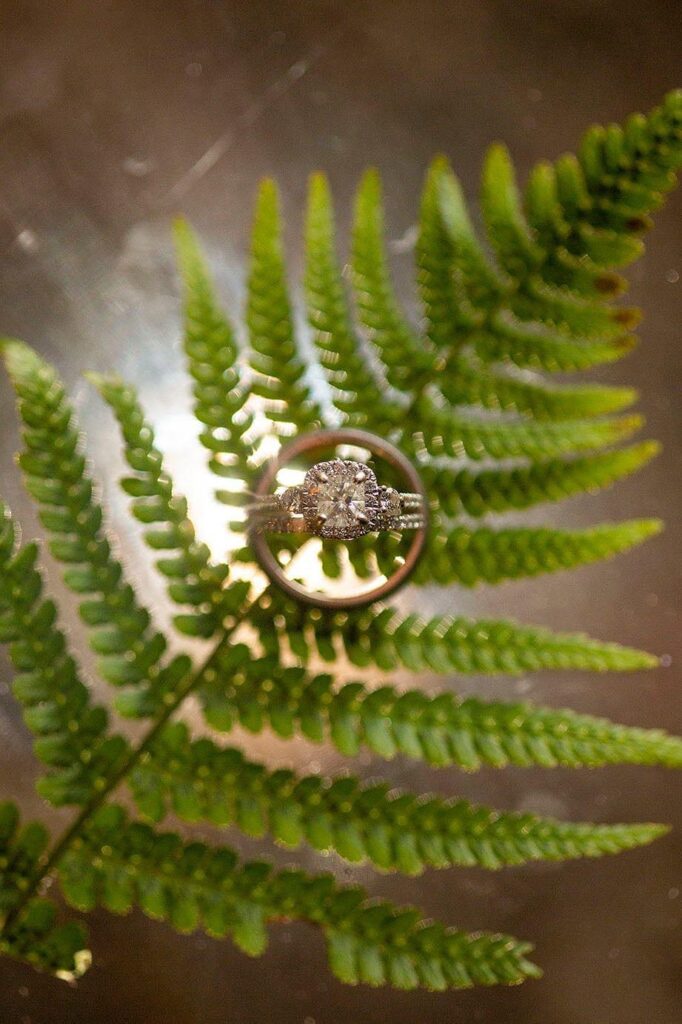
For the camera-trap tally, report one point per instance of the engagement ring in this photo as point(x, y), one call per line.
point(339, 499)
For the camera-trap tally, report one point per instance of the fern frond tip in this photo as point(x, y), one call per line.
point(267, 198)
point(188, 253)
point(20, 359)
point(318, 183)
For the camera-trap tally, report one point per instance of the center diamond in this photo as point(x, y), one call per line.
point(340, 499)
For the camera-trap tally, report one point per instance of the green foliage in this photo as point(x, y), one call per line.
point(220, 391)
point(471, 382)
point(482, 554)
point(442, 730)
point(395, 831)
point(195, 581)
point(453, 434)
point(70, 731)
point(401, 356)
point(383, 637)
point(130, 649)
point(274, 353)
point(35, 935)
point(500, 490)
point(119, 865)
point(468, 384)
point(356, 393)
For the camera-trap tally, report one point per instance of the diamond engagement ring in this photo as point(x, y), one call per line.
point(339, 499)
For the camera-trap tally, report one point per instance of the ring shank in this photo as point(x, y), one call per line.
point(325, 439)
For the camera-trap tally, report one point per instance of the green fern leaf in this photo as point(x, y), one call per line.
point(275, 357)
point(463, 382)
point(529, 348)
point(441, 730)
point(34, 936)
point(356, 393)
point(515, 248)
point(195, 580)
point(448, 312)
point(395, 831)
point(220, 392)
point(473, 556)
point(404, 360)
point(602, 199)
point(500, 490)
point(130, 649)
point(383, 637)
point(119, 865)
point(456, 434)
point(477, 280)
point(559, 307)
point(37, 938)
point(70, 731)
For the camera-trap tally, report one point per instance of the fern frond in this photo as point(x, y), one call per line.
point(448, 313)
point(395, 831)
point(597, 205)
point(387, 639)
point(405, 361)
point(130, 649)
point(39, 939)
point(493, 328)
point(559, 307)
point(471, 556)
point(556, 252)
point(355, 391)
point(500, 490)
point(528, 347)
point(118, 865)
point(464, 382)
point(524, 287)
point(516, 250)
point(35, 936)
point(477, 281)
point(275, 355)
point(442, 730)
point(220, 392)
point(195, 580)
point(70, 730)
point(440, 432)
point(20, 852)
point(578, 269)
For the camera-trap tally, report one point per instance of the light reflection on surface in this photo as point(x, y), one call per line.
point(305, 566)
point(176, 437)
point(290, 477)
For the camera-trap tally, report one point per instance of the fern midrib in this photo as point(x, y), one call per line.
point(74, 829)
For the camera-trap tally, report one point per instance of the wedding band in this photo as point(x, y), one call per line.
point(340, 499)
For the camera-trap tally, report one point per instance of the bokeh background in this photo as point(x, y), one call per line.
point(115, 115)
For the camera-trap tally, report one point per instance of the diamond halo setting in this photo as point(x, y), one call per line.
point(341, 499)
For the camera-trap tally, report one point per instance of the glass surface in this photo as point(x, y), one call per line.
point(117, 116)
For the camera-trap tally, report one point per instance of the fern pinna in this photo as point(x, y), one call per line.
point(467, 396)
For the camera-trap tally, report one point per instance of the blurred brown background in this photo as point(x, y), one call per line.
point(114, 116)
